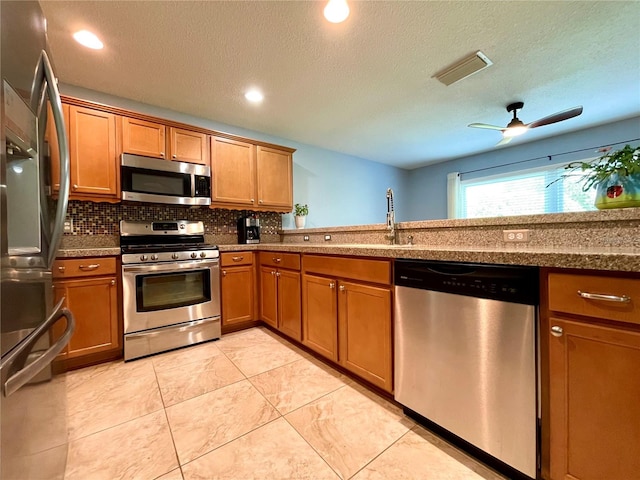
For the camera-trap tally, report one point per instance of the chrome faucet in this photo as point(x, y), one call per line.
point(391, 221)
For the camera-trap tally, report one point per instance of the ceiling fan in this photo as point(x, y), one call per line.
point(516, 127)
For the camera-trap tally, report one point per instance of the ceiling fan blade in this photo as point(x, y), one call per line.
point(484, 125)
point(504, 141)
point(557, 117)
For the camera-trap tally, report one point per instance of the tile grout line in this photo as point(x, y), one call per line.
point(166, 416)
point(383, 451)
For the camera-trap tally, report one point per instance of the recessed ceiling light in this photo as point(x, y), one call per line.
point(88, 39)
point(336, 11)
point(254, 96)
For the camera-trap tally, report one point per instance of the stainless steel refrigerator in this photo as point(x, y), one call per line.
point(33, 331)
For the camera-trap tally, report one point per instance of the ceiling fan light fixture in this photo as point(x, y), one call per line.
point(514, 131)
point(336, 11)
point(462, 69)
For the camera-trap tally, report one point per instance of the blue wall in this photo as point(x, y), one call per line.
point(427, 186)
point(339, 189)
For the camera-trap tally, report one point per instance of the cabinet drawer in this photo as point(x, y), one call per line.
point(368, 270)
point(84, 267)
point(568, 293)
point(230, 259)
point(279, 259)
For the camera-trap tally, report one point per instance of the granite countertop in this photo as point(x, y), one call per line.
point(600, 258)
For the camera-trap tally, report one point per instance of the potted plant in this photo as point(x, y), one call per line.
point(616, 176)
point(300, 212)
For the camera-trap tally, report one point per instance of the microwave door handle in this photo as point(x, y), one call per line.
point(193, 185)
point(19, 378)
point(46, 75)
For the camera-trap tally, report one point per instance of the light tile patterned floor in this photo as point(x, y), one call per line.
point(248, 406)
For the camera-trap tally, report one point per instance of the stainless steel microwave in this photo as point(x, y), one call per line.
point(154, 180)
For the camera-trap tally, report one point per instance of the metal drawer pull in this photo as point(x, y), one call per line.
point(224, 273)
point(277, 274)
point(237, 259)
point(605, 298)
point(342, 288)
point(93, 266)
point(61, 269)
point(276, 260)
point(556, 331)
point(332, 285)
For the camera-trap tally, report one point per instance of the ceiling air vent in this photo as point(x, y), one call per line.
point(465, 67)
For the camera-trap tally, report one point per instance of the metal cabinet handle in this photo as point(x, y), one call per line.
point(237, 259)
point(556, 331)
point(224, 273)
point(61, 269)
point(260, 201)
point(253, 200)
point(273, 272)
point(75, 186)
point(342, 289)
point(162, 154)
point(277, 274)
point(113, 282)
point(88, 268)
point(605, 298)
point(174, 156)
point(332, 285)
point(276, 259)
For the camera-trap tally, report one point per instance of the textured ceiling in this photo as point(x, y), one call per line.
point(364, 87)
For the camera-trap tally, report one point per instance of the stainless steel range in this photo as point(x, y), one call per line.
point(171, 286)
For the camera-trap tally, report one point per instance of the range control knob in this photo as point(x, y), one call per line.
point(175, 256)
point(143, 257)
point(194, 255)
point(182, 226)
point(154, 257)
point(203, 254)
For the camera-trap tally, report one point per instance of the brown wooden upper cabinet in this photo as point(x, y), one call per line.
point(93, 155)
point(140, 137)
point(188, 146)
point(250, 176)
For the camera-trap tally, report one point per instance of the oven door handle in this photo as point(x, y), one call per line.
point(171, 266)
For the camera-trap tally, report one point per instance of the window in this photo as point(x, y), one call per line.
point(526, 192)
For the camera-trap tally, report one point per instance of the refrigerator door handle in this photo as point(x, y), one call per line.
point(22, 376)
point(63, 147)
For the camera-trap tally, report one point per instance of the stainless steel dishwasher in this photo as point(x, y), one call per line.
point(466, 356)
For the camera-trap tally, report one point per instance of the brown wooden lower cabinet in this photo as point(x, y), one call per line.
point(349, 321)
point(280, 300)
point(237, 285)
point(90, 289)
point(594, 401)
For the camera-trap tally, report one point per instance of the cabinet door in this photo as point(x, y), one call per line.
point(92, 150)
point(233, 172)
point(275, 178)
point(188, 146)
point(140, 137)
point(319, 315)
point(289, 305)
point(365, 332)
point(268, 296)
point(594, 411)
point(237, 295)
point(94, 303)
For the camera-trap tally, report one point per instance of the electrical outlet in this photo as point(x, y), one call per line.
point(327, 238)
point(515, 235)
point(306, 238)
point(68, 225)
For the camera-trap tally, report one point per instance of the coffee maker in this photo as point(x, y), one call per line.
point(248, 229)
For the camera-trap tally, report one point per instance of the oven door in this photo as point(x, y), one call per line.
point(168, 294)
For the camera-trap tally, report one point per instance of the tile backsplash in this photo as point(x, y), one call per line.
point(91, 218)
